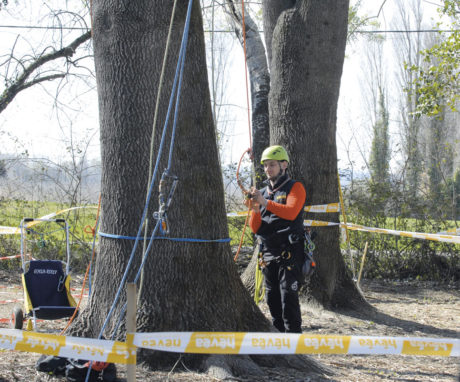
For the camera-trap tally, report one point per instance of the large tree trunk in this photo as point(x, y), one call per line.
point(308, 47)
point(271, 9)
point(187, 286)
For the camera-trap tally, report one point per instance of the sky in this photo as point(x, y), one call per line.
point(353, 128)
point(34, 122)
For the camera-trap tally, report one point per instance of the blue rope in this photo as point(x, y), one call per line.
point(176, 107)
point(183, 239)
point(131, 258)
point(180, 64)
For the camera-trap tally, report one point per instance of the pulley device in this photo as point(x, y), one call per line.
point(164, 199)
point(309, 263)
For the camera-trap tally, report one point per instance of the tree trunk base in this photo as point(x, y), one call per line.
point(248, 277)
point(225, 367)
point(220, 367)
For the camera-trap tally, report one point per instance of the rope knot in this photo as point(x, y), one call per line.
point(90, 230)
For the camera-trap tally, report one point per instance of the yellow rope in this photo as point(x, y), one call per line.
point(259, 291)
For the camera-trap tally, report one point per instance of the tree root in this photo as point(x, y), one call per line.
point(234, 367)
point(227, 367)
point(298, 362)
point(231, 367)
point(248, 276)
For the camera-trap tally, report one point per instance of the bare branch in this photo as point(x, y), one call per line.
point(40, 79)
point(20, 83)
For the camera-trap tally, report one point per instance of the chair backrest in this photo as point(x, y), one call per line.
point(45, 283)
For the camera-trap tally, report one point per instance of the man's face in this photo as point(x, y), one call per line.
point(273, 168)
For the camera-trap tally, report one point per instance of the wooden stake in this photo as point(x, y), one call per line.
point(131, 326)
point(362, 263)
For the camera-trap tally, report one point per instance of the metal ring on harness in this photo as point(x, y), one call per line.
point(286, 255)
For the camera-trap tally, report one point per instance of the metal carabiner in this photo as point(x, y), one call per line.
point(286, 255)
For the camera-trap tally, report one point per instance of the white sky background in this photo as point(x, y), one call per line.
point(353, 125)
point(32, 117)
point(35, 121)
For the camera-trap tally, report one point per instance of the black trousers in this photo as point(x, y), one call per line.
point(283, 278)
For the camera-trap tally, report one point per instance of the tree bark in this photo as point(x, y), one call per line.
point(308, 47)
point(259, 82)
point(187, 286)
point(271, 9)
point(260, 87)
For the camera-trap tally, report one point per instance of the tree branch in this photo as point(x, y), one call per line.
point(40, 79)
point(20, 83)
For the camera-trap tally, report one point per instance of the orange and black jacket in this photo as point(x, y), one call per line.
point(282, 216)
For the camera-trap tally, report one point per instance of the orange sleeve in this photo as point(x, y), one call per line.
point(294, 203)
point(255, 221)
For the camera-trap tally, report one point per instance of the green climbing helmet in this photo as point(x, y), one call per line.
point(276, 153)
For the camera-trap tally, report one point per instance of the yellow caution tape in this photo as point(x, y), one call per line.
point(323, 208)
point(237, 214)
point(17, 230)
point(415, 235)
point(224, 343)
point(70, 347)
point(291, 343)
point(452, 231)
point(9, 230)
point(318, 223)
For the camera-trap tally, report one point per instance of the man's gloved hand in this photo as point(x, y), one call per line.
point(257, 196)
point(250, 202)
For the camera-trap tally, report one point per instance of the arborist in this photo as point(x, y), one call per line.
point(277, 221)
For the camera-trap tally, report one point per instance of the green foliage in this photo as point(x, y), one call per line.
point(380, 149)
point(438, 79)
point(235, 228)
point(395, 257)
point(357, 21)
point(46, 240)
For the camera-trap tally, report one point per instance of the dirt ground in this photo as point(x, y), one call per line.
point(403, 309)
